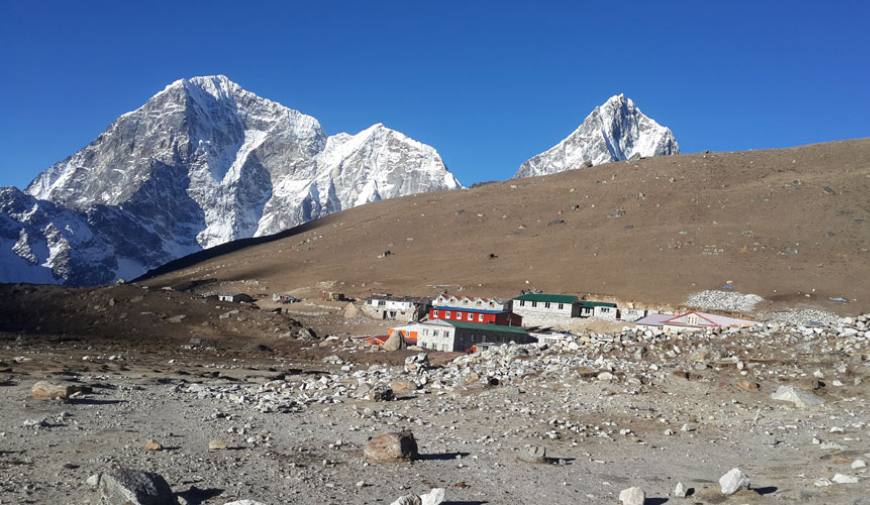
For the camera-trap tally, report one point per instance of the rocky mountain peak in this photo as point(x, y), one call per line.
point(204, 162)
point(614, 131)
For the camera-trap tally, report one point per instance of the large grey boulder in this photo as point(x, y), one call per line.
point(122, 486)
point(394, 343)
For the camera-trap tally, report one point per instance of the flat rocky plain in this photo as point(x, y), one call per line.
point(285, 418)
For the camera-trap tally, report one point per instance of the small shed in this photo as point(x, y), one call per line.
point(236, 298)
point(598, 310)
point(284, 298)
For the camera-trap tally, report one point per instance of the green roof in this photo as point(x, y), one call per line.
point(590, 303)
point(490, 327)
point(544, 297)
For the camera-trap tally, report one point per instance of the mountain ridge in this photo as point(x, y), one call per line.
point(204, 162)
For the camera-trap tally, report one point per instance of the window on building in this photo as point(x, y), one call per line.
point(534, 304)
point(561, 306)
point(546, 305)
point(446, 314)
point(480, 317)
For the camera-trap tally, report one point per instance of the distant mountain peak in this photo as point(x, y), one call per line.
point(616, 130)
point(201, 163)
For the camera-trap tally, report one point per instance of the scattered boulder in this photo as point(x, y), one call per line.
point(394, 342)
point(121, 486)
point(381, 394)
point(402, 387)
point(433, 497)
point(306, 333)
point(217, 444)
point(44, 390)
point(153, 445)
point(840, 478)
point(680, 490)
point(632, 496)
point(733, 481)
point(391, 447)
point(417, 363)
point(748, 386)
point(408, 499)
point(800, 398)
point(534, 454)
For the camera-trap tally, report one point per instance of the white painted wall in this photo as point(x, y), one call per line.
point(436, 337)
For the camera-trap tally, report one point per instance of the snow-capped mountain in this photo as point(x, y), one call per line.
point(201, 163)
point(614, 131)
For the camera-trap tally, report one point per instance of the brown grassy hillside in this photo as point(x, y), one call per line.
point(779, 223)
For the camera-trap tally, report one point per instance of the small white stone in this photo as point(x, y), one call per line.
point(680, 490)
point(858, 464)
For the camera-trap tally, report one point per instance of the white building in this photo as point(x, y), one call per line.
point(390, 307)
point(455, 336)
point(477, 303)
point(694, 320)
point(598, 310)
point(537, 305)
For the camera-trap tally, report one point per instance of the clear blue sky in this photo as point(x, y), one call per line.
point(489, 84)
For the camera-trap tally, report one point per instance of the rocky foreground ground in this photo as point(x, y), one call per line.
point(578, 421)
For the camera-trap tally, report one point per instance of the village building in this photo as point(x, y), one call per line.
point(235, 297)
point(598, 310)
point(284, 298)
point(389, 307)
point(694, 320)
point(538, 305)
point(474, 310)
point(455, 336)
point(632, 314)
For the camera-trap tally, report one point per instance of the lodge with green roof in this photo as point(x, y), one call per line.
point(457, 336)
point(546, 305)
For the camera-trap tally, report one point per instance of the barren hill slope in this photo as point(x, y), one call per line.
point(778, 223)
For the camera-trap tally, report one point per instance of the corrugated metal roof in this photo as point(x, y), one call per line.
point(468, 309)
point(654, 319)
point(487, 327)
point(544, 297)
point(590, 303)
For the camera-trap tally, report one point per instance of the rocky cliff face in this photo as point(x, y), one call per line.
point(614, 131)
point(201, 163)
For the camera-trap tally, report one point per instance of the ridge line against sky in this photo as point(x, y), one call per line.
point(488, 84)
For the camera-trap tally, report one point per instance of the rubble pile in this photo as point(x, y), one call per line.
point(634, 356)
